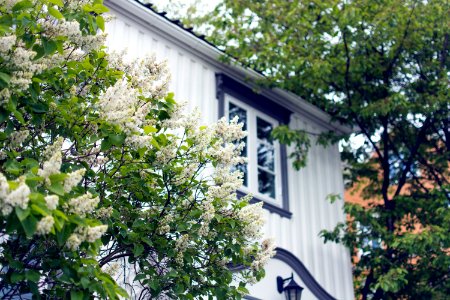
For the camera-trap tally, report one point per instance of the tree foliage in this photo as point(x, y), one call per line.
point(107, 189)
point(381, 67)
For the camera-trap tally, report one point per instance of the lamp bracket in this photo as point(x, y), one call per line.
point(280, 282)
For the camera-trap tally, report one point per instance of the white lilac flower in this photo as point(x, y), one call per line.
point(230, 131)
point(164, 226)
point(73, 179)
point(5, 95)
point(166, 153)
point(19, 196)
point(45, 225)
point(252, 217)
point(111, 269)
point(4, 187)
point(50, 150)
point(83, 204)
point(147, 75)
point(51, 166)
point(263, 256)
point(7, 42)
point(94, 233)
point(73, 242)
point(182, 243)
point(118, 104)
point(53, 160)
point(104, 212)
point(18, 137)
point(51, 201)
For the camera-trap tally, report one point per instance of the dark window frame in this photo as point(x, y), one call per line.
point(245, 94)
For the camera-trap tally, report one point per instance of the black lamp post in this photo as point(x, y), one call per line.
point(292, 290)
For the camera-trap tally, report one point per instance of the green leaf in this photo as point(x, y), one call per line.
point(100, 22)
point(22, 213)
point(4, 79)
point(16, 277)
point(32, 275)
point(149, 129)
point(76, 295)
point(57, 2)
point(140, 276)
point(40, 52)
point(57, 188)
point(22, 5)
point(100, 8)
point(12, 167)
point(29, 225)
point(50, 46)
point(54, 178)
point(63, 235)
point(55, 13)
point(117, 139)
point(40, 210)
point(85, 282)
point(138, 250)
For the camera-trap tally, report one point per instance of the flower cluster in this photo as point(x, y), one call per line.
point(262, 257)
point(104, 212)
point(82, 234)
point(51, 201)
point(71, 30)
point(7, 42)
point(45, 225)
point(148, 76)
point(11, 198)
point(164, 226)
point(181, 245)
point(73, 179)
point(230, 131)
point(82, 205)
point(18, 137)
point(180, 119)
point(252, 216)
point(225, 184)
point(128, 102)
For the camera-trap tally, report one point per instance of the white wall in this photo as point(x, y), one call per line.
point(193, 79)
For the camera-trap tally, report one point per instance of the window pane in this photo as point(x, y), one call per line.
point(266, 183)
point(266, 157)
point(264, 129)
point(234, 110)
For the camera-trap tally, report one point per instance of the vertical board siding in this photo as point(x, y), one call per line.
point(193, 80)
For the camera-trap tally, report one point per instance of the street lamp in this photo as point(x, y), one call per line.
point(292, 290)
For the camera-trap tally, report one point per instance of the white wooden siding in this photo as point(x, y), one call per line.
point(193, 80)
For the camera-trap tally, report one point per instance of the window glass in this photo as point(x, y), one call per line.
point(266, 156)
point(233, 111)
point(266, 183)
point(264, 129)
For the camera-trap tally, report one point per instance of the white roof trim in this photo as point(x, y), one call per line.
point(198, 47)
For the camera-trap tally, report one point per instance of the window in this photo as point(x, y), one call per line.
point(265, 174)
point(262, 172)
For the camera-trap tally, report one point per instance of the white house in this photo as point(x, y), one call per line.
point(295, 201)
